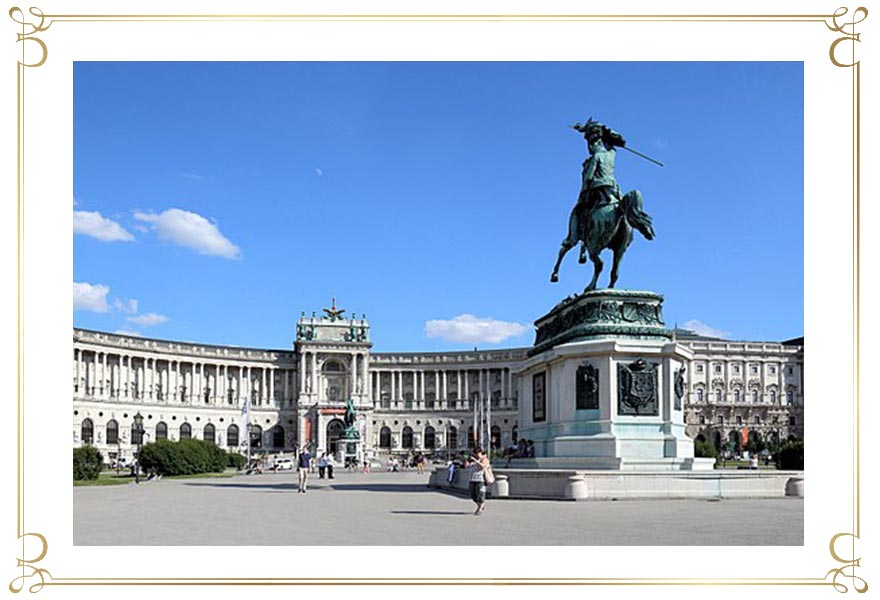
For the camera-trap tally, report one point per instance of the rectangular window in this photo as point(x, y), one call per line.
point(754, 370)
point(699, 368)
point(717, 369)
point(539, 400)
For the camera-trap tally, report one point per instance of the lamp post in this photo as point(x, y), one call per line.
point(137, 433)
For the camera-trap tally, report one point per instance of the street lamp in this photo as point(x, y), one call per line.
point(137, 433)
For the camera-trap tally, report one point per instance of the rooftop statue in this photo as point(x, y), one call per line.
point(601, 217)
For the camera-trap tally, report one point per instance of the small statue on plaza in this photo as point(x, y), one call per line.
point(350, 413)
point(601, 217)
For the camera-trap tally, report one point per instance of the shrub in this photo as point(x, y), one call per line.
point(87, 463)
point(186, 457)
point(791, 456)
point(705, 449)
point(234, 459)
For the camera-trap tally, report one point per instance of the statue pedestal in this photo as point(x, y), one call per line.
point(599, 390)
point(351, 446)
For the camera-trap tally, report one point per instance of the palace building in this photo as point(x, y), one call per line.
point(404, 401)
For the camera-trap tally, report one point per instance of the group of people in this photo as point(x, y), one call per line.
point(522, 449)
point(415, 460)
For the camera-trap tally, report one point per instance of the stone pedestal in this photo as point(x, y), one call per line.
point(604, 386)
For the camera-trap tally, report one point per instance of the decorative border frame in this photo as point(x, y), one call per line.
point(845, 572)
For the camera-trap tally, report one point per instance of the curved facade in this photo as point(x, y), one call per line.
point(404, 401)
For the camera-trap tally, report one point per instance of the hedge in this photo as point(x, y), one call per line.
point(704, 449)
point(185, 457)
point(87, 463)
point(234, 459)
point(791, 456)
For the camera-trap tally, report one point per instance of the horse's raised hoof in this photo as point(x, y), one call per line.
point(554, 278)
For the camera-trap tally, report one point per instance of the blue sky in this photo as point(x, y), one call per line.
point(213, 202)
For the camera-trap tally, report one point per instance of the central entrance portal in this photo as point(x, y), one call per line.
point(335, 428)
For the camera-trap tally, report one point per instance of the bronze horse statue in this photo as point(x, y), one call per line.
point(602, 218)
point(609, 225)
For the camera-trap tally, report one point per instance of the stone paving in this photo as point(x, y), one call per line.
point(399, 509)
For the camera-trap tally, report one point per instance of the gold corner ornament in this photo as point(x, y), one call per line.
point(848, 29)
point(36, 22)
point(848, 570)
point(27, 567)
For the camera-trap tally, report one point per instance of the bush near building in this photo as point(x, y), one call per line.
point(185, 457)
point(705, 449)
point(791, 456)
point(236, 460)
point(87, 463)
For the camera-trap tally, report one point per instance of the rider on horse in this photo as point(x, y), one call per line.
point(598, 186)
point(602, 217)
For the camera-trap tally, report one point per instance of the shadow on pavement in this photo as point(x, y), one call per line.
point(381, 487)
point(431, 512)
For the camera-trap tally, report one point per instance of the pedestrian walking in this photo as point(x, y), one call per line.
point(480, 474)
point(303, 463)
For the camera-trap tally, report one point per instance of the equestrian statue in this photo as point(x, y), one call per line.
point(602, 218)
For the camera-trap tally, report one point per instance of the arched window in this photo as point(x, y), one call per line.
point(208, 433)
point(789, 397)
point(430, 441)
point(452, 438)
point(755, 396)
point(385, 438)
point(699, 395)
point(112, 432)
point(772, 396)
point(736, 395)
point(87, 431)
point(702, 419)
point(472, 440)
point(185, 431)
point(331, 366)
point(721, 419)
point(256, 436)
point(495, 438)
point(161, 431)
point(406, 437)
point(232, 436)
point(718, 395)
point(278, 436)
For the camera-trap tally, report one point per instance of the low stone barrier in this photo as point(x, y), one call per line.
point(619, 485)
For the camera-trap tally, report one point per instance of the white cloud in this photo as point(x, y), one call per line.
point(148, 319)
point(474, 330)
point(94, 225)
point(128, 306)
point(190, 230)
point(90, 297)
point(319, 172)
point(701, 328)
point(129, 333)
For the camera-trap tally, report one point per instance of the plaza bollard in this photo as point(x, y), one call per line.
point(575, 488)
point(795, 487)
point(501, 487)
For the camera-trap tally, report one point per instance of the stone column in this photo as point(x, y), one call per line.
point(314, 378)
point(285, 391)
point(353, 378)
point(393, 397)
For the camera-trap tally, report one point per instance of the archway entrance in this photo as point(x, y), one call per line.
point(334, 433)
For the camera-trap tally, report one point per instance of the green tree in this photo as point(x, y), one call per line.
point(87, 463)
point(791, 456)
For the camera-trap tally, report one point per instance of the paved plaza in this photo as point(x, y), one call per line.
point(399, 509)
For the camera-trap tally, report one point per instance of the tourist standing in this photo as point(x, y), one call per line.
point(330, 464)
point(479, 466)
point(322, 465)
point(303, 463)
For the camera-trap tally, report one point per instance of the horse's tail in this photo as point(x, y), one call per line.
point(635, 216)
